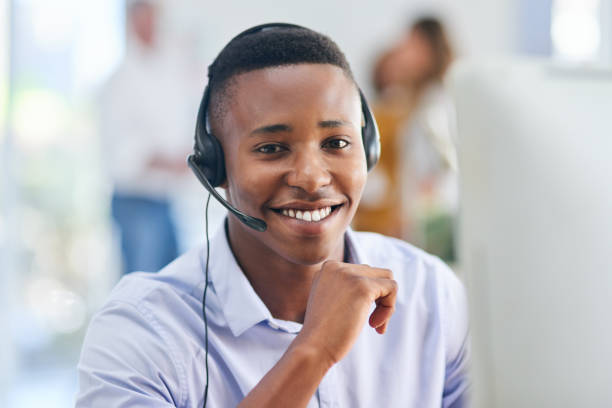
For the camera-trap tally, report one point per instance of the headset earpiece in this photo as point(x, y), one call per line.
point(211, 160)
point(207, 148)
point(369, 134)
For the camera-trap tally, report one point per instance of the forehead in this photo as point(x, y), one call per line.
point(290, 93)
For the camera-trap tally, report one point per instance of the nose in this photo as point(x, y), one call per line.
point(309, 171)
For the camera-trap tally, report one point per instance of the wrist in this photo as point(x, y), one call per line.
point(293, 380)
point(311, 354)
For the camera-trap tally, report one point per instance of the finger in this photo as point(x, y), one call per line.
point(380, 316)
point(371, 272)
point(385, 302)
point(382, 329)
point(386, 293)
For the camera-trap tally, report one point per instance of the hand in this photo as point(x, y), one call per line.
point(339, 301)
point(338, 304)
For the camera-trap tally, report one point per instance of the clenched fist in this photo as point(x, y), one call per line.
point(338, 305)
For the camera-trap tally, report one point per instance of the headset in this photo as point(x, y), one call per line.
point(207, 161)
point(208, 164)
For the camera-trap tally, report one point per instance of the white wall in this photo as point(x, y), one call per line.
point(535, 231)
point(362, 29)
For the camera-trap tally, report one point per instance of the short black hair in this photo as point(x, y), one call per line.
point(270, 47)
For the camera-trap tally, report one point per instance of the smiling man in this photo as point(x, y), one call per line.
point(289, 291)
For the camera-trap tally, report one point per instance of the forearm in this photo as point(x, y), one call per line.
point(292, 381)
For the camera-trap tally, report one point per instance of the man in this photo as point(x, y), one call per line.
point(143, 110)
point(286, 307)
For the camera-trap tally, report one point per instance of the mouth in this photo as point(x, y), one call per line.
point(308, 215)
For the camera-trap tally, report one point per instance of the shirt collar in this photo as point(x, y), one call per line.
point(239, 303)
point(241, 306)
point(354, 253)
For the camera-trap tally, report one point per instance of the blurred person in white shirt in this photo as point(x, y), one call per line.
point(430, 172)
point(412, 193)
point(145, 121)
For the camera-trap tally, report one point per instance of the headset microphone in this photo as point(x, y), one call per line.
point(255, 223)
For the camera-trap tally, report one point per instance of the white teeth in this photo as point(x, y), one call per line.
point(305, 215)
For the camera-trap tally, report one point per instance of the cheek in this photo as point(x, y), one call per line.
point(249, 184)
point(360, 174)
point(351, 174)
point(359, 181)
point(353, 179)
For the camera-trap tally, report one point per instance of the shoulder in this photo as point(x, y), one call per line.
point(180, 278)
point(126, 352)
point(159, 300)
point(437, 94)
point(134, 342)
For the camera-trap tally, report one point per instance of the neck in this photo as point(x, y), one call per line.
point(282, 284)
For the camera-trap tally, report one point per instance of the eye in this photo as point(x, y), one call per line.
point(270, 148)
point(336, 144)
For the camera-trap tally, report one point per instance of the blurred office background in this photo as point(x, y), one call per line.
point(59, 248)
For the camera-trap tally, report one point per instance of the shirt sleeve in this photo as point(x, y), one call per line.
point(456, 383)
point(127, 361)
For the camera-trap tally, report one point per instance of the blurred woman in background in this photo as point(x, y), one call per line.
point(412, 193)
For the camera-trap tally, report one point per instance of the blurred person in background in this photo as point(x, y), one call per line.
point(144, 113)
point(412, 193)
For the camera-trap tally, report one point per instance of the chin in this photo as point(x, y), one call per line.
point(314, 252)
point(307, 259)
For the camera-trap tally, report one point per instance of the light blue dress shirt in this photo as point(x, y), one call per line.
point(145, 347)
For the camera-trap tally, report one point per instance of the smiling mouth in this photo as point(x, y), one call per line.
point(315, 215)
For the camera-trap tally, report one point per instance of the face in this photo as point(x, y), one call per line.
point(143, 23)
point(414, 56)
point(294, 157)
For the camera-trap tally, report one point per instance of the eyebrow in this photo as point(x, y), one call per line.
point(334, 123)
point(277, 128)
point(280, 127)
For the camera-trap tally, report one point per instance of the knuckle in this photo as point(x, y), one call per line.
point(394, 285)
point(329, 266)
point(362, 286)
point(394, 288)
point(344, 270)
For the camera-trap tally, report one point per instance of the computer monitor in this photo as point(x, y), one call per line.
point(535, 231)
